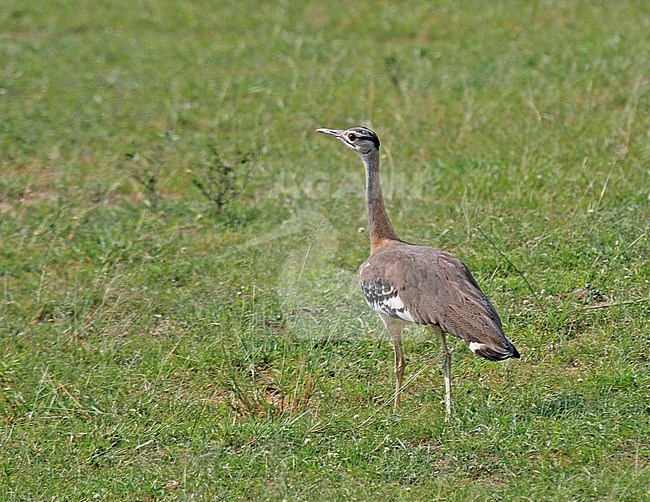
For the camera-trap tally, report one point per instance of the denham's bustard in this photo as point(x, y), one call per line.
point(424, 285)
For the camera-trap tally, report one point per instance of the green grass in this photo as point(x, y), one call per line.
point(154, 347)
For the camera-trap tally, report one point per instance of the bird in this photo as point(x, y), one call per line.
point(409, 283)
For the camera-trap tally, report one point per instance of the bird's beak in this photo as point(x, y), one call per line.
point(331, 132)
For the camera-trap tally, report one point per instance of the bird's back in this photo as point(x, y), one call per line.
point(429, 286)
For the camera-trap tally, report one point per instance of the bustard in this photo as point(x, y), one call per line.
point(424, 285)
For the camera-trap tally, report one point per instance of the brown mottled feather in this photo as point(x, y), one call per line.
point(438, 289)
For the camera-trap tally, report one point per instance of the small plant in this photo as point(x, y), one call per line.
point(149, 184)
point(220, 183)
point(394, 70)
point(148, 177)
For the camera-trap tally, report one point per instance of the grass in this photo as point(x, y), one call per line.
point(157, 345)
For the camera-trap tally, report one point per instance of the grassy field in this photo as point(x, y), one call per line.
point(179, 315)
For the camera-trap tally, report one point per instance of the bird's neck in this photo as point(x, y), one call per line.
point(381, 229)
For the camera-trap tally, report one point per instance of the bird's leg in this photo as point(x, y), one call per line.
point(395, 327)
point(446, 368)
point(400, 364)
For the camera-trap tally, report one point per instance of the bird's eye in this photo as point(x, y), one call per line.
point(352, 137)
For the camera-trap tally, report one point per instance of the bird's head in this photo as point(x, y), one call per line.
point(360, 139)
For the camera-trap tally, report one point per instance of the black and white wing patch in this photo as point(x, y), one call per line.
point(383, 298)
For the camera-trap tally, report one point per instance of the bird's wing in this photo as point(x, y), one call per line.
point(383, 297)
point(436, 288)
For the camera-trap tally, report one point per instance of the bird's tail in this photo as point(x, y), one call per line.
point(495, 352)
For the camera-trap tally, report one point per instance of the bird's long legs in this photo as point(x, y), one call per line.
point(395, 328)
point(400, 364)
point(446, 368)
